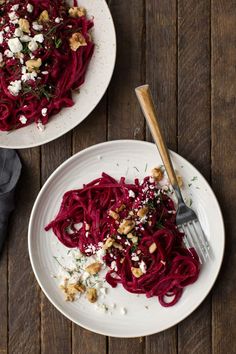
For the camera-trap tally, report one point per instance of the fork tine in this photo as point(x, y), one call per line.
point(193, 242)
point(200, 234)
point(198, 241)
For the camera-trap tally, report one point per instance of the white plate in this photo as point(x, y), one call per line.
point(96, 82)
point(132, 159)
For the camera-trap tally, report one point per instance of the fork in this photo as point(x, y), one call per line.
point(186, 219)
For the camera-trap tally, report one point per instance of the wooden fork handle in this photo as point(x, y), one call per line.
point(146, 102)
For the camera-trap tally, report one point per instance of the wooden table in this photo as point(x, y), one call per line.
point(186, 51)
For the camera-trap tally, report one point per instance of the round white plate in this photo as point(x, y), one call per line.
point(132, 159)
point(96, 82)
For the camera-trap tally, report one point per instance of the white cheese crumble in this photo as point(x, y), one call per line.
point(36, 26)
point(8, 53)
point(33, 46)
point(18, 32)
point(23, 119)
point(15, 45)
point(28, 76)
point(1, 37)
point(131, 194)
point(15, 7)
point(44, 72)
point(143, 266)
point(40, 126)
point(44, 112)
point(39, 38)
point(14, 87)
point(7, 29)
point(57, 20)
point(25, 38)
point(1, 58)
point(29, 7)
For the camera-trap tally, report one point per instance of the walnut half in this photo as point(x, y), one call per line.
point(77, 40)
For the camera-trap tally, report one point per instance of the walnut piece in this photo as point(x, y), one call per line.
point(77, 40)
point(44, 17)
point(24, 25)
point(113, 214)
point(109, 242)
point(93, 268)
point(126, 226)
point(77, 11)
point(121, 208)
point(33, 64)
point(142, 212)
point(157, 174)
point(71, 290)
point(91, 295)
point(118, 245)
point(152, 247)
point(136, 272)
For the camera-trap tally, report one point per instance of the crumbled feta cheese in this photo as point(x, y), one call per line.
point(21, 60)
point(18, 32)
point(40, 126)
point(39, 38)
point(15, 45)
point(1, 37)
point(135, 258)
point(7, 29)
point(44, 72)
point(25, 38)
point(30, 7)
point(15, 7)
point(8, 53)
point(36, 26)
point(24, 69)
point(13, 17)
point(143, 266)
point(1, 57)
point(113, 266)
point(57, 20)
point(28, 76)
point(14, 87)
point(44, 112)
point(33, 46)
point(23, 119)
point(123, 311)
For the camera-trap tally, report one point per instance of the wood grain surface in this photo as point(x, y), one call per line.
point(186, 51)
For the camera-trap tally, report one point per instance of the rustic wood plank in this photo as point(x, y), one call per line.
point(161, 64)
point(124, 117)
point(24, 302)
point(194, 133)
point(161, 73)
point(3, 301)
point(55, 328)
point(223, 167)
point(91, 131)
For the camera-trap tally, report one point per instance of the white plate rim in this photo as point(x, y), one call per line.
point(80, 153)
point(73, 126)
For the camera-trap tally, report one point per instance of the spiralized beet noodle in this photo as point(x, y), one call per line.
point(149, 259)
point(33, 94)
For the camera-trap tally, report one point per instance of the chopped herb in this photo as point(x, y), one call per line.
point(58, 42)
point(159, 225)
point(133, 248)
point(136, 169)
point(194, 179)
point(117, 165)
point(146, 167)
point(151, 204)
point(189, 184)
point(190, 202)
point(146, 307)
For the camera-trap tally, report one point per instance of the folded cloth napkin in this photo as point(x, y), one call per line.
point(10, 169)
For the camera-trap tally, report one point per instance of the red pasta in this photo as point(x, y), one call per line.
point(31, 93)
point(148, 259)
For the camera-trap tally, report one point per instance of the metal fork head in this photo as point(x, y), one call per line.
point(188, 223)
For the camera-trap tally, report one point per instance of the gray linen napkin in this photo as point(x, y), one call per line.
point(10, 169)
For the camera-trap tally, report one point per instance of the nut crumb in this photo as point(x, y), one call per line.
point(93, 268)
point(157, 174)
point(91, 295)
